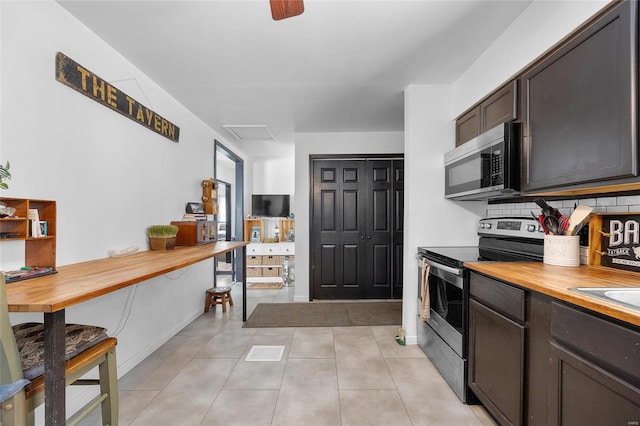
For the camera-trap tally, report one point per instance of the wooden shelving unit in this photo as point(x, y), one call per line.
point(39, 251)
point(285, 226)
point(250, 223)
point(265, 257)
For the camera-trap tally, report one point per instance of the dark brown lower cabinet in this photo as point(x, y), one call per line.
point(509, 333)
point(496, 362)
point(536, 360)
point(595, 370)
point(584, 394)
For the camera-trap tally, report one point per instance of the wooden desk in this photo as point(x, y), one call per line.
point(79, 282)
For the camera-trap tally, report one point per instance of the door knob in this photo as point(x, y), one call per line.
point(368, 237)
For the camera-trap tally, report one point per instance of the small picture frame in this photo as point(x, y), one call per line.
point(44, 228)
point(256, 236)
point(194, 208)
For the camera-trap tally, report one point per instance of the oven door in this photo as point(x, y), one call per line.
point(447, 304)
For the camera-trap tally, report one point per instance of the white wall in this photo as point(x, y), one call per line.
point(429, 219)
point(539, 27)
point(274, 175)
point(110, 176)
point(327, 143)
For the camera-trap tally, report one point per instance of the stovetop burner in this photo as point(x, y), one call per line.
point(505, 239)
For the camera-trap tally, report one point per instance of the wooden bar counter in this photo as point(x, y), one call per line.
point(77, 283)
point(555, 281)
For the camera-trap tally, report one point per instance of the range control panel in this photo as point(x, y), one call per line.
point(518, 227)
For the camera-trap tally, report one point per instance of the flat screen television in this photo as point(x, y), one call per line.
point(270, 205)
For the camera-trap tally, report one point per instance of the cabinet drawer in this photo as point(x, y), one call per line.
point(286, 249)
point(504, 298)
point(612, 346)
point(270, 249)
point(254, 260)
point(255, 249)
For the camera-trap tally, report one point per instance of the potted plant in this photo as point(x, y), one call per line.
point(4, 174)
point(162, 237)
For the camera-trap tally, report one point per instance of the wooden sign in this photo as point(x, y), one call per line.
point(614, 240)
point(89, 84)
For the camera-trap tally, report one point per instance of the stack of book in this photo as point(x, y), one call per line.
point(194, 216)
point(37, 227)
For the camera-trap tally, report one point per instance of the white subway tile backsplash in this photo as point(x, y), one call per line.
point(628, 200)
point(617, 209)
point(606, 201)
point(588, 202)
point(621, 204)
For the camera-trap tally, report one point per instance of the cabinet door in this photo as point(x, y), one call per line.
point(500, 107)
point(581, 393)
point(579, 107)
point(496, 363)
point(468, 126)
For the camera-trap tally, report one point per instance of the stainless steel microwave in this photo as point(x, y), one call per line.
point(485, 167)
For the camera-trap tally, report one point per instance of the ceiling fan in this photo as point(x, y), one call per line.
point(281, 9)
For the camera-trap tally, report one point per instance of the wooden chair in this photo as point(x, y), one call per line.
point(218, 296)
point(22, 368)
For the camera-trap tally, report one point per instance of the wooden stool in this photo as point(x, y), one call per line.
point(218, 296)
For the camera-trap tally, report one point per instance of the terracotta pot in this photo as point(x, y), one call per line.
point(162, 243)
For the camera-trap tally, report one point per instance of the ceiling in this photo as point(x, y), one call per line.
point(341, 66)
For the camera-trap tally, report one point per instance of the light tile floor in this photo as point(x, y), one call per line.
point(327, 376)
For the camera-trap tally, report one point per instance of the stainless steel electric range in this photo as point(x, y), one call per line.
point(443, 336)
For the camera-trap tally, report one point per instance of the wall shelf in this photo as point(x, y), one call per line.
point(39, 251)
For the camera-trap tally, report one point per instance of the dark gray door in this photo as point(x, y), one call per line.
point(356, 223)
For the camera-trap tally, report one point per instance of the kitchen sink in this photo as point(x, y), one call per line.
point(625, 296)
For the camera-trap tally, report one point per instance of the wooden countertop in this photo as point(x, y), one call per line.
point(83, 281)
point(555, 281)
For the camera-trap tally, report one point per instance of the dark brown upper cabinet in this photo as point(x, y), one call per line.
point(497, 108)
point(580, 106)
point(468, 126)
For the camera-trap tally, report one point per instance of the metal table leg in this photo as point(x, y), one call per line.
point(244, 283)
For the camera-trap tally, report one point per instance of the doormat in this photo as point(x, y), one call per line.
point(265, 353)
point(321, 314)
point(263, 286)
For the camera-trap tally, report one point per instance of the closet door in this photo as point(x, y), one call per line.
point(398, 227)
point(379, 228)
point(338, 230)
point(357, 229)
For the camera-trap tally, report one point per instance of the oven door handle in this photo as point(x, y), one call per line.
point(454, 271)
